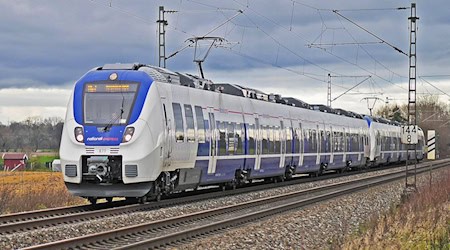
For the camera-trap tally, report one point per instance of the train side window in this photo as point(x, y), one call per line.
point(313, 141)
point(251, 139)
point(265, 139)
point(222, 138)
point(239, 134)
point(288, 140)
point(200, 124)
point(328, 141)
point(230, 137)
point(336, 140)
point(276, 140)
point(348, 140)
point(306, 140)
point(190, 129)
point(355, 144)
point(321, 140)
point(271, 140)
point(179, 126)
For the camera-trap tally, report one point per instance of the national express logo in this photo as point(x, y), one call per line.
point(102, 138)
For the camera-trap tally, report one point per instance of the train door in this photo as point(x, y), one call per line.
point(213, 142)
point(258, 144)
point(167, 145)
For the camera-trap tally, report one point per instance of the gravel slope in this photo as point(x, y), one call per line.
point(321, 226)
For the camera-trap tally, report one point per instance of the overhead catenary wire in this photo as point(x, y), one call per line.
point(370, 55)
point(286, 47)
point(371, 33)
point(351, 88)
point(259, 27)
point(206, 34)
point(432, 85)
point(327, 51)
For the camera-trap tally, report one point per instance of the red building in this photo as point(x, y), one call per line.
point(14, 161)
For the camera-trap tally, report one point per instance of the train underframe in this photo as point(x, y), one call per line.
point(102, 178)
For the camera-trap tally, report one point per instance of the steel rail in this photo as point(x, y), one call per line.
point(51, 212)
point(139, 236)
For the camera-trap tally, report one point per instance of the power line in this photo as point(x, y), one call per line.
point(351, 88)
point(371, 33)
point(370, 55)
point(341, 44)
point(435, 76)
point(377, 9)
point(345, 60)
point(309, 75)
point(432, 85)
point(302, 38)
point(363, 9)
point(287, 48)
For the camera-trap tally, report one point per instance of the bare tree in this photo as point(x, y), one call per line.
point(432, 114)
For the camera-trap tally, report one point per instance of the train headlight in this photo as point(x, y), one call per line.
point(79, 134)
point(128, 134)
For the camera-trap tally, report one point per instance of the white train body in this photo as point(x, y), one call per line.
point(135, 130)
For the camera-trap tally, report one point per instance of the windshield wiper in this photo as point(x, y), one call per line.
point(114, 119)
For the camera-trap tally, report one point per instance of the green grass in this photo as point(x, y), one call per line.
point(39, 162)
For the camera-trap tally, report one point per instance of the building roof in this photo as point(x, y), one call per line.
point(14, 156)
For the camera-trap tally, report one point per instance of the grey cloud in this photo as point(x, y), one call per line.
point(50, 43)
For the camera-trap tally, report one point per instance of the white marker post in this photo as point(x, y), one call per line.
point(431, 145)
point(431, 150)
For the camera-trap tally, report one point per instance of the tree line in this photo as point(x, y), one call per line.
point(432, 114)
point(32, 134)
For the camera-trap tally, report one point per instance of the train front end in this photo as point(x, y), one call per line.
point(107, 144)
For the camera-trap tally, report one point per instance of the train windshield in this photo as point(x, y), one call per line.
point(108, 103)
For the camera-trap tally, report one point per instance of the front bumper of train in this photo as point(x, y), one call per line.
point(110, 190)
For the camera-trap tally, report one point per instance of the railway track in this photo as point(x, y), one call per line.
point(53, 212)
point(26, 221)
point(165, 232)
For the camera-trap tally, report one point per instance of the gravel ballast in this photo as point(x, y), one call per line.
point(317, 226)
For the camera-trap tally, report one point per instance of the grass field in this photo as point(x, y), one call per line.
point(24, 191)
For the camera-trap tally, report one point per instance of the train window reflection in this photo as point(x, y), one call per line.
point(189, 123)
point(251, 139)
point(179, 126)
point(200, 124)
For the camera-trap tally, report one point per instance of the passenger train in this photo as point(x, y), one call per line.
point(141, 131)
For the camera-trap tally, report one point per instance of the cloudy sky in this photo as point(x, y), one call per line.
point(286, 47)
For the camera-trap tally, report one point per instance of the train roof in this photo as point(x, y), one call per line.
point(185, 79)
